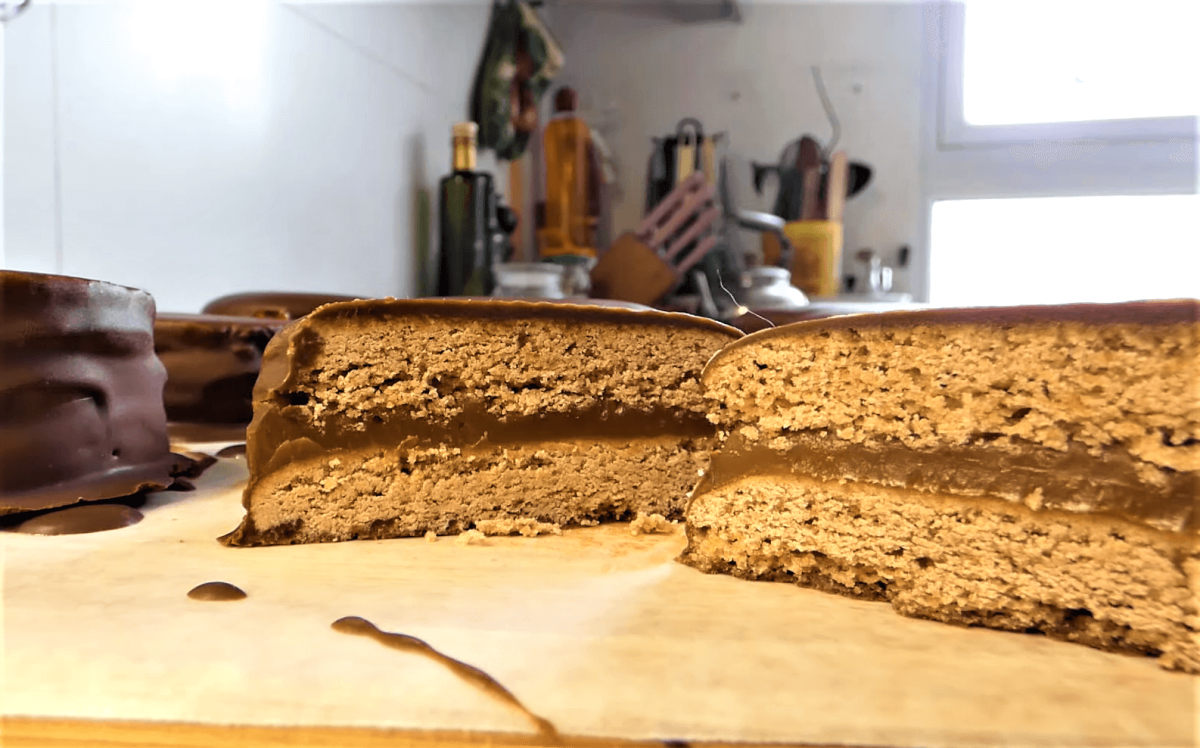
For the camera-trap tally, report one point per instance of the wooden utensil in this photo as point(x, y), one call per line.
point(810, 203)
point(836, 190)
point(639, 266)
point(808, 156)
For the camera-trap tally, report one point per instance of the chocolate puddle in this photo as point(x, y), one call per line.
point(233, 450)
point(469, 673)
point(78, 520)
point(216, 592)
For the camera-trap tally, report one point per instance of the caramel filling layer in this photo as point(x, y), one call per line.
point(277, 432)
point(1041, 478)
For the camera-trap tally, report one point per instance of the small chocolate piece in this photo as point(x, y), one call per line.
point(469, 673)
point(212, 363)
point(272, 304)
point(78, 520)
point(191, 464)
point(193, 433)
point(216, 592)
point(81, 411)
point(233, 450)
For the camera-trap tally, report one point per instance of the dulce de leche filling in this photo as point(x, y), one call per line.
point(283, 432)
point(1041, 478)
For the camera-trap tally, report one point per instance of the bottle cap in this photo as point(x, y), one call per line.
point(566, 100)
point(465, 130)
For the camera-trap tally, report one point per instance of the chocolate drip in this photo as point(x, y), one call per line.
point(469, 673)
point(233, 450)
point(78, 520)
point(216, 592)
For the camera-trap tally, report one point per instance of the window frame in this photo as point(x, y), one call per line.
point(955, 132)
point(964, 161)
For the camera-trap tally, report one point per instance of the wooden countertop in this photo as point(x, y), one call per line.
point(597, 630)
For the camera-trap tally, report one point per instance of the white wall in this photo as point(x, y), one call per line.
point(753, 81)
point(268, 147)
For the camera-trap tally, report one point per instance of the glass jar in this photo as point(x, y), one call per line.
point(770, 288)
point(529, 280)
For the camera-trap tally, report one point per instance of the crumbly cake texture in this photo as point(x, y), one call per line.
point(1030, 469)
point(386, 418)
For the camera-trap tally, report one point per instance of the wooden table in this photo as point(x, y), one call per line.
point(597, 630)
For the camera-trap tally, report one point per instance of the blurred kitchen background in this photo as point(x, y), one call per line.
point(997, 152)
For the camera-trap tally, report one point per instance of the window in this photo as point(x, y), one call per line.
point(1053, 61)
point(1064, 249)
point(1059, 152)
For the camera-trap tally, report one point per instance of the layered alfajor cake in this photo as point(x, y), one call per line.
point(1031, 469)
point(212, 363)
point(390, 418)
point(81, 409)
point(270, 304)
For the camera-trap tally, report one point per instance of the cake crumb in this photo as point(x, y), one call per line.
point(1034, 500)
point(431, 536)
point(525, 526)
point(589, 522)
point(648, 524)
point(471, 537)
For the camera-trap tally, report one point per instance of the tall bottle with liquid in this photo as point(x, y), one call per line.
point(572, 209)
point(466, 210)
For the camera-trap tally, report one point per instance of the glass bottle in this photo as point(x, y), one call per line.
point(572, 186)
point(466, 204)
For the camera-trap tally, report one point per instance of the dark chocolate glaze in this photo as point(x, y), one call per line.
point(81, 411)
point(516, 309)
point(77, 520)
point(216, 592)
point(469, 673)
point(211, 363)
point(1070, 481)
point(1154, 313)
point(277, 305)
point(233, 450)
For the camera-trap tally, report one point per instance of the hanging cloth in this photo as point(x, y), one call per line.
point(520, 59)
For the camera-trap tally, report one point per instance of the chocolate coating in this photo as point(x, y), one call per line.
point(77, 520)
point(212, 363)
point(271, 304)
point(81, 411)
point(1166, 312)
point(216, 592)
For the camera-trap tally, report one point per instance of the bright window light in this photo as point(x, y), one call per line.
point(1032, 61)
point(1064, 249)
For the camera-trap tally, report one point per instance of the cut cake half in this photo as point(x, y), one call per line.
point(1031, 469)
point(391, 418)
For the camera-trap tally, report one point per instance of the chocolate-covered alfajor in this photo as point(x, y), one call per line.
point(81, 410)
point(389, 418)
point(212, 362)
point(1029, 468)
point(271, 304)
